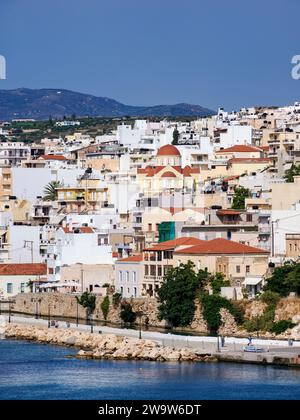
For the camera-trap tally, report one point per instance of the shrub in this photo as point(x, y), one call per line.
point(212, 305)
point(116, 299)
point(88, 301)
point(127, 315)
point(217, 281)
point(105, 307)
point(270, 298)
point(281, 326)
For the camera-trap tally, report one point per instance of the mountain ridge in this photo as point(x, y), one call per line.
point(40, 104)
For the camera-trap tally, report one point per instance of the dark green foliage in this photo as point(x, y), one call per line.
point(238, 201)
point(106, 285)
point(127, 315)
point(270, 298)
point(212, 305)
point(285, 279)
point(177, 294)
point(290, 173)
point(116, 299)
point(281, 326)
point(175, 136)
point(105, 307)
point(88, 301)
point(217, 281)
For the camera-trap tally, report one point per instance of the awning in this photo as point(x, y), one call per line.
point(252, 281)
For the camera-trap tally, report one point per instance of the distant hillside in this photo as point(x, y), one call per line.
point(39, 104)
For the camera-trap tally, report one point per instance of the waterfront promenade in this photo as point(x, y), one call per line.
point(274, 351)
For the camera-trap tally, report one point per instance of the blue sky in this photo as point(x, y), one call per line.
point(144, 52)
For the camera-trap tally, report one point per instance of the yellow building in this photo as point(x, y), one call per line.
point(88, 194)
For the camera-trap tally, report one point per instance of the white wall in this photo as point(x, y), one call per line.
point(236, 134)
point(19, 234)
point(28, 183)
point(284, 221)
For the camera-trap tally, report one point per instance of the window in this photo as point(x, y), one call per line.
point(134, 292)
point(120, 276)
point(224, 268)
point(9, 288)
point(159, 271)
point(152, 270)
point(220, 268)
point(121, 290)
point(247, 269)
point(22, 288)
point(249, 217)
point(295, 246)
point(149, 227)
point(128, 290)
point(146, 270)
point(134, 276)
point(238, 268)
point(127, 276)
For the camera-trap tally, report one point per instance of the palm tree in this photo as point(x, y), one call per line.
point(50, 191)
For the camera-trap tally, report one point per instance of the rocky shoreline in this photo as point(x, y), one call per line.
point(105, 346)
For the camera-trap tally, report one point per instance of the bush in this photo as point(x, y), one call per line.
point(212, 305)
point(88, 301)
point(105, 307)
point(281, 326)
point(116, 299)
point(217, 281)
point(270, 298)
point(127, 315)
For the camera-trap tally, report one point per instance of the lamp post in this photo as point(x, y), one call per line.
point(9, 311)
point(36, 309)
point(77, 312)
point(140, 314)
point(49, 320)
point(218, 344)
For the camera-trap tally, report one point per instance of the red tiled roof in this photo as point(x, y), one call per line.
point(240, 148)
point(265, 148)
point(114, 254)
point(168, 150)
point(221, 246)
point(53, 157)
point(168, 174)
point(231, 178)
point(153, 170)
point(132, 258)
point(35, 269)
point(82, 229)
point(228, 212)
point(249, 160)
point(172, 244)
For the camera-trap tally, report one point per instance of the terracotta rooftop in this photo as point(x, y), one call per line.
point(150, 171)
point(221, 246)
point(132, 258)
point(172, 244)
point(82, 229)
point(36, 269)
point(249, 160)
point(168, 150)
point(53, 157)
point(228, 212)
point(168, 174)
point(240, 148)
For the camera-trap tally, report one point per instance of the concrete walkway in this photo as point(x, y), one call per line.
point(202, 344)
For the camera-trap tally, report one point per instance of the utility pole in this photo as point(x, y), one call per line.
point(30, 243)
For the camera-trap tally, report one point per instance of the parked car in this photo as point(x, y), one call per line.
point(253, 349)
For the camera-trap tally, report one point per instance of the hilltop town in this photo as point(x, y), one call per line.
point(114, 213)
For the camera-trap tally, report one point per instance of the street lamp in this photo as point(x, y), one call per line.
point(36, 309)
point(77, 316)
point(9, 311)
point(140, 314)
point(49, 321)
point(218, 344)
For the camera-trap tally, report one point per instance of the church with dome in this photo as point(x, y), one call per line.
point(167, 173)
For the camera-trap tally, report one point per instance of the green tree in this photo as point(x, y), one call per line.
point(105, 307)
point(175, 136)
point(50, 191)
point(212, 305)
point(240, 194)
point(290, 173)
point(127, 314)
point(285, 279)
point(217, 281)
point(177, 294)
point(88, 301)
